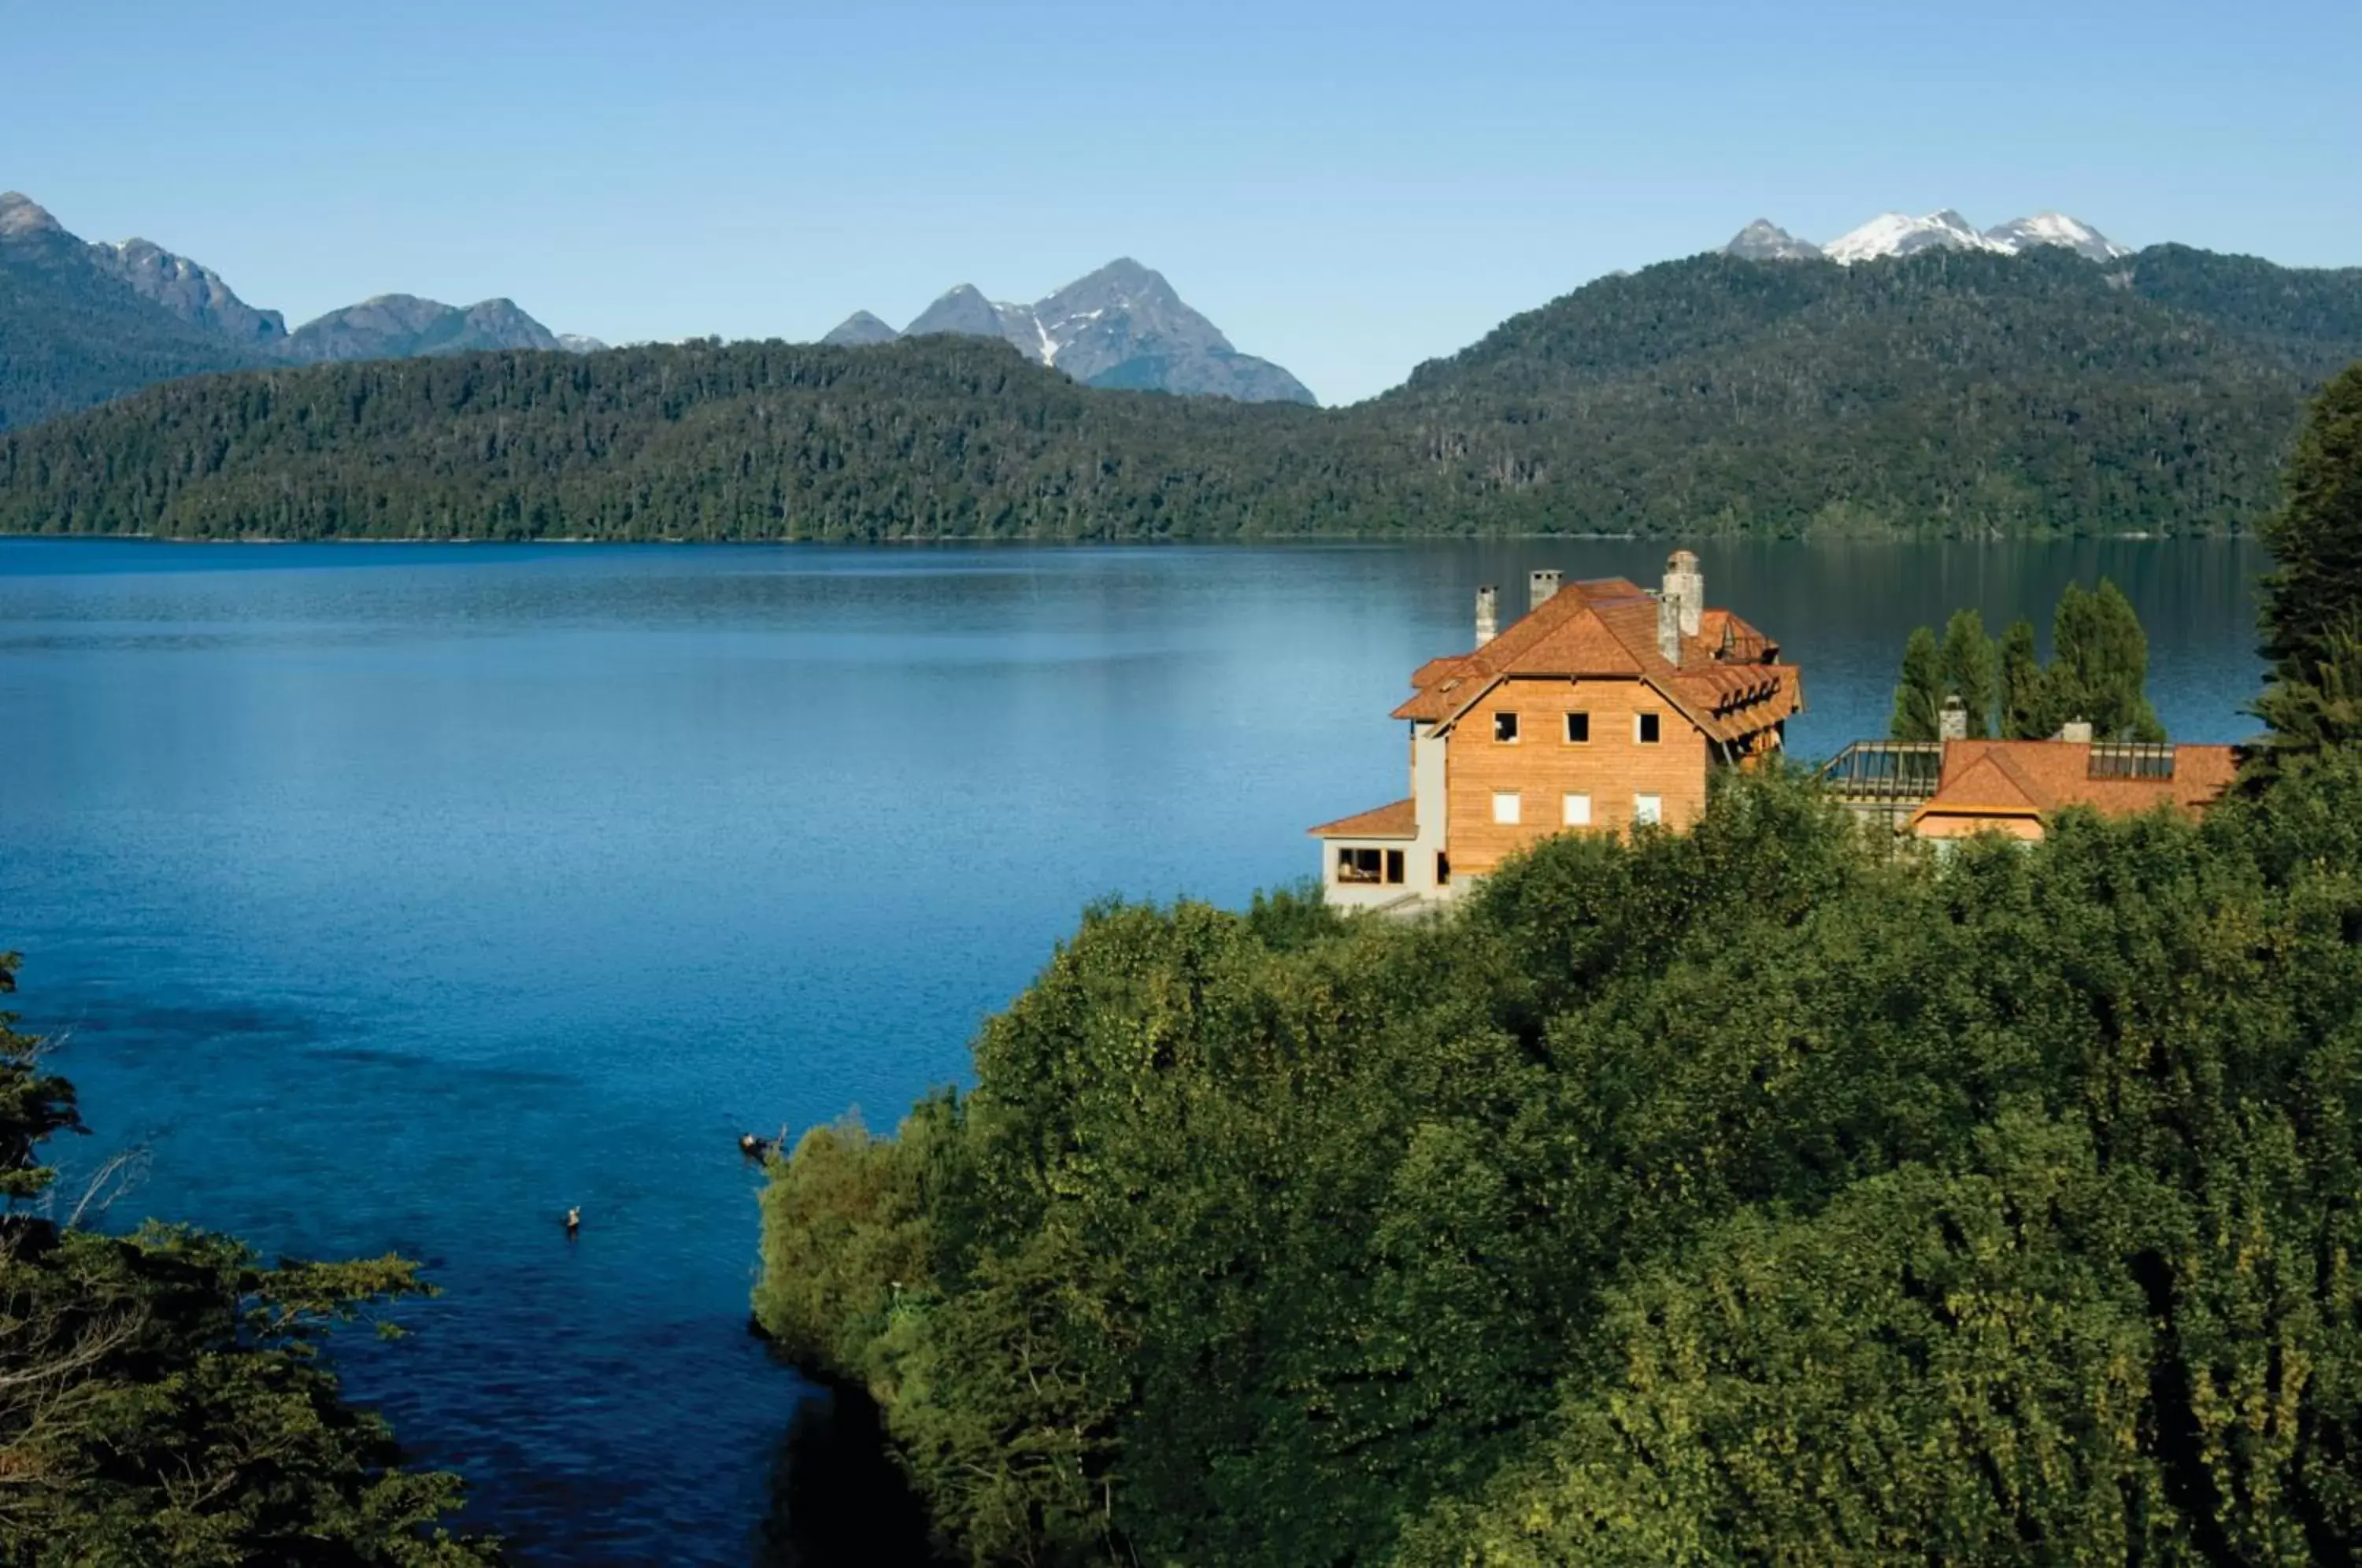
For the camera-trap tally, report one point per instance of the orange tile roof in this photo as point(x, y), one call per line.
point(1398, 821)
point(1606, 629)
point(2033, 779)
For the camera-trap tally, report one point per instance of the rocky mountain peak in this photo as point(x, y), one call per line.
point(189, 290)
point(860, 330)
point(1764, 240)
point(20, 214)
point(1122, 324)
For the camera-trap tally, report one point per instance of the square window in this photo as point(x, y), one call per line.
point(1504, 727)
point(1648, 809)
point(1506, 807)
point(1578, 811)
point(1578, 729)
point(1645, 728)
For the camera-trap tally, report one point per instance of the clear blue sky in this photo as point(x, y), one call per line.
point(1347, 189)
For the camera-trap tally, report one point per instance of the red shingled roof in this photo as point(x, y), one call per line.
point(1606, 629)
point(1398, 821)
point(2032, 779)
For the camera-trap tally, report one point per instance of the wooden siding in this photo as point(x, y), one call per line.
point(1611, 767)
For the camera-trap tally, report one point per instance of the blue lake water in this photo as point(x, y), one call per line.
point(400, 897)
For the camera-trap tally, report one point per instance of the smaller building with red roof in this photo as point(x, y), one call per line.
point(1603, 707)
point(2009, 787)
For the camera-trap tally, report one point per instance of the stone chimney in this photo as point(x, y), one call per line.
point(1680, 608)
point(1488, 613)
point(1540, 586)
point(1952, 723)
point(2075, 732)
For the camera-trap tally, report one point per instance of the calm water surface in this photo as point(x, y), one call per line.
point(400, 897)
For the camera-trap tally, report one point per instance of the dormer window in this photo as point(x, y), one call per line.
point(1505, 728)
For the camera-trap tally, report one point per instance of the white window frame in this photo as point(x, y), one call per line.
point(1648, 810)
point(1508, 808)
point(1575, 810)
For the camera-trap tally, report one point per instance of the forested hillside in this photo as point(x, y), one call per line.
point(1947, 394)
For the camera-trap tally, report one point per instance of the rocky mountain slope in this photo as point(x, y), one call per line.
point(82, 322)
point(1121, 326)
point(400, 326)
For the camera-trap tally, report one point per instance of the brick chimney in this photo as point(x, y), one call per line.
point(1540, 586)
point(1488, 613)
point(1680, 608)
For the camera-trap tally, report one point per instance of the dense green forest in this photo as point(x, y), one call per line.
point(1959, 394)
point(162, 1398)
point(1752, 1194)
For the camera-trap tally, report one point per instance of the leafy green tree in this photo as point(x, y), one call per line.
point(1919, 695)
point(2024, 697)
point(161, 1395)
point(1973, 670)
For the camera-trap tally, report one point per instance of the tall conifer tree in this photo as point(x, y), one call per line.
point(2024, 698)
point(2312, 602)
point(1920, 697)
point(1971, 669)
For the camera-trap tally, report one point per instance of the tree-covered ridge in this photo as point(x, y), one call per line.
point(1945, 394)
point(161, 1395)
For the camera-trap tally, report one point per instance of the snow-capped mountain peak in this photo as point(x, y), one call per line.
point(2056, 229)
point(1899, 234)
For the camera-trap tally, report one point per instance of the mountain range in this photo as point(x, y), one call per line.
point(1955, 391)
point(82, 322)
point(1900, 234)
point(1121, 326)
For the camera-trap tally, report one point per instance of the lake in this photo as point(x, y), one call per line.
point(403, 895)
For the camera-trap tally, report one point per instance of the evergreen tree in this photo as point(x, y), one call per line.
point(2099, 666)
point(1971, 670)
point(2025, 695)
point(1919, 699)
point(2312, 604)
point(2316, 536)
